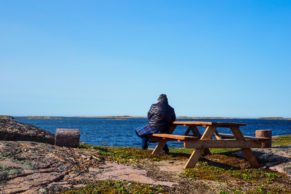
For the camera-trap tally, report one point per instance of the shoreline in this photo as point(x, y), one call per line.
point(139, 117)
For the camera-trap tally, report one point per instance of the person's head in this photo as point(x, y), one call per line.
point(163, 98)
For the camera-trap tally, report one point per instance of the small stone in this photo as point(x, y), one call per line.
point(42, 190)
point(3, 176)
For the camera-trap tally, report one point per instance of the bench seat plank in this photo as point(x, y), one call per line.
point(174, 137)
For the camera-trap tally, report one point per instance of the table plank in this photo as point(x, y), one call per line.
point(206, 123)
point(176, 137)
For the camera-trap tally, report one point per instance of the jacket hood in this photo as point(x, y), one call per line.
point(163, 99)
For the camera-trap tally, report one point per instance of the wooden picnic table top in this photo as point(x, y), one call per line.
point(207, 123)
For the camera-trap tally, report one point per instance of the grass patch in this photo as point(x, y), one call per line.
point(205, 171)
point(117, 187)
point(281, 140)
point(5, 117)
point(127, 154)
point(133, 155)
point(264, 181)
point(220, 166)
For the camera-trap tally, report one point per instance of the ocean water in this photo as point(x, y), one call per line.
point(121, 133)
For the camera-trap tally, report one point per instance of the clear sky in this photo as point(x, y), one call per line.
point(93, 58)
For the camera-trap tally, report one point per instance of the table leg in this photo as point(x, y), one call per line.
point(247, 151)
point(196, 132)
point(197, 153)
point(217, 135)
point(159, 148)
point(188, 130)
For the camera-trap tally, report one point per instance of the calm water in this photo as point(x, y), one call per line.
point(120, 133)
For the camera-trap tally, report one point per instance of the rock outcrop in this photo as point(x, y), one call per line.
point(32, 167)
point(15, 131)
point(276, 158)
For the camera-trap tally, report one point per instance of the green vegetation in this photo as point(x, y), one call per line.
point(281, 140)
point(221, 166)
point(134, 155)
point(213, 150)
point(126, 154)
point(6, 117)
point(264, 180)
point(117, 187)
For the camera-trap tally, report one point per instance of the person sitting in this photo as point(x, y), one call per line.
point(161, 116)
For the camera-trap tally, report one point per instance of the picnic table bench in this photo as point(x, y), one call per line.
point(202, 142)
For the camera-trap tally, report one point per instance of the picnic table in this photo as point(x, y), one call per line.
point(202, 142)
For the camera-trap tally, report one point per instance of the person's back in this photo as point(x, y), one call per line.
point(161, 115)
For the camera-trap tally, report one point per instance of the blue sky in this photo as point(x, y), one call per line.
point(93, 58)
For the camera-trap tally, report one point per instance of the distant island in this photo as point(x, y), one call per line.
point(263, 118)
point(132, 117)
point(38, 117)
point(274, 118)
point(111, 117)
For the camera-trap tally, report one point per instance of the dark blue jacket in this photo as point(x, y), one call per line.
point(161, 115)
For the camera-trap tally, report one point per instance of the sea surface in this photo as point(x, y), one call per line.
point(121, 132)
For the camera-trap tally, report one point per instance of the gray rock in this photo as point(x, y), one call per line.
point(3, 176)
point(52, 168)
point(15, 131)
point(276, 158)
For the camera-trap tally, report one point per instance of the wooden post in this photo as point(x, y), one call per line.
point(196, 132)
point(265, 134)
point(67, 137)
point(247, 151)
point(196, 154)
point(159, 148)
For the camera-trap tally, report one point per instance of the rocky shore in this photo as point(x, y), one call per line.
point(15, 131)
point(29, 163)
point(38, 167)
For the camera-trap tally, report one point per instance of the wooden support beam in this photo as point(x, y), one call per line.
point(187, 131)
point(196, 154)
point(230, 136)
point(200, 144)
point(217, 136)
point(159, 148)
point(196, 132)
point(247, 151)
